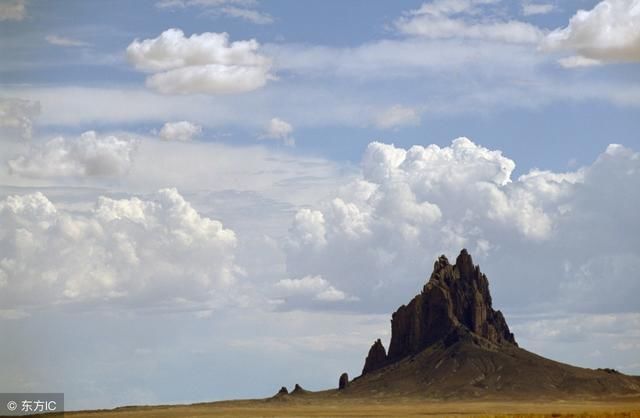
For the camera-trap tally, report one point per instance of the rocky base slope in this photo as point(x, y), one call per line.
point(471, 368)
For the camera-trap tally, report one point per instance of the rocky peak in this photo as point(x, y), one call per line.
point(454, 302)
point(298, 390)
point(376, 359)
point(464, 264)
point(441, 263)
point(343, 381)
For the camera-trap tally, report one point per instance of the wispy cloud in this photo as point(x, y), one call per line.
point(64, 41)
point(451, 19)
point(529, 9)
point(576, 61)
point(243, 9)
point(397, 115)
point(251, 15)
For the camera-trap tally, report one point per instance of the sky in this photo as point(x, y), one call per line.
point(210, 199)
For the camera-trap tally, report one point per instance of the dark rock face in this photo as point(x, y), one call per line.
point(376, 359)
point(344, 381)
point(455, 302)
point(283, 391)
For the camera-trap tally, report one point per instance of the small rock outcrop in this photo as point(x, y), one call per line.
point(344, 381)
point(283, 391)
point(455, 302)
point(376, 359)
point(298, 390)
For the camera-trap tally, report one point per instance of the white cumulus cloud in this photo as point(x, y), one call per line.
point(202, 63)
point(180, 131)
point(610, 32)
point(158, 252)
point(88, 155)
point(279, 130)
point(544, 237)
point(383, 225)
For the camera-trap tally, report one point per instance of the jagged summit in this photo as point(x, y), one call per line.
point(453, 304)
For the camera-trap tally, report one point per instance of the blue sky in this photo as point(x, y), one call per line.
point(102, 63)
point(197, 189)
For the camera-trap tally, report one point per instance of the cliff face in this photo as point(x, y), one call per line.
point(455, 301)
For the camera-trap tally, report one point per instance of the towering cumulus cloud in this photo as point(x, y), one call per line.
point(378, 235)
point(143, 253)
point(205, 63)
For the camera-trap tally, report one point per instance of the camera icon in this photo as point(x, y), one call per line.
point(12, 405)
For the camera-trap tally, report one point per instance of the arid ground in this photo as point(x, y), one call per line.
point(363, 408)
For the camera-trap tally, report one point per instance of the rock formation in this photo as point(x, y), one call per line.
point(298, 390)
point(449, 343)
point(283, 391)
point(376, 359)
point(455, 302)
point(344, 381)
